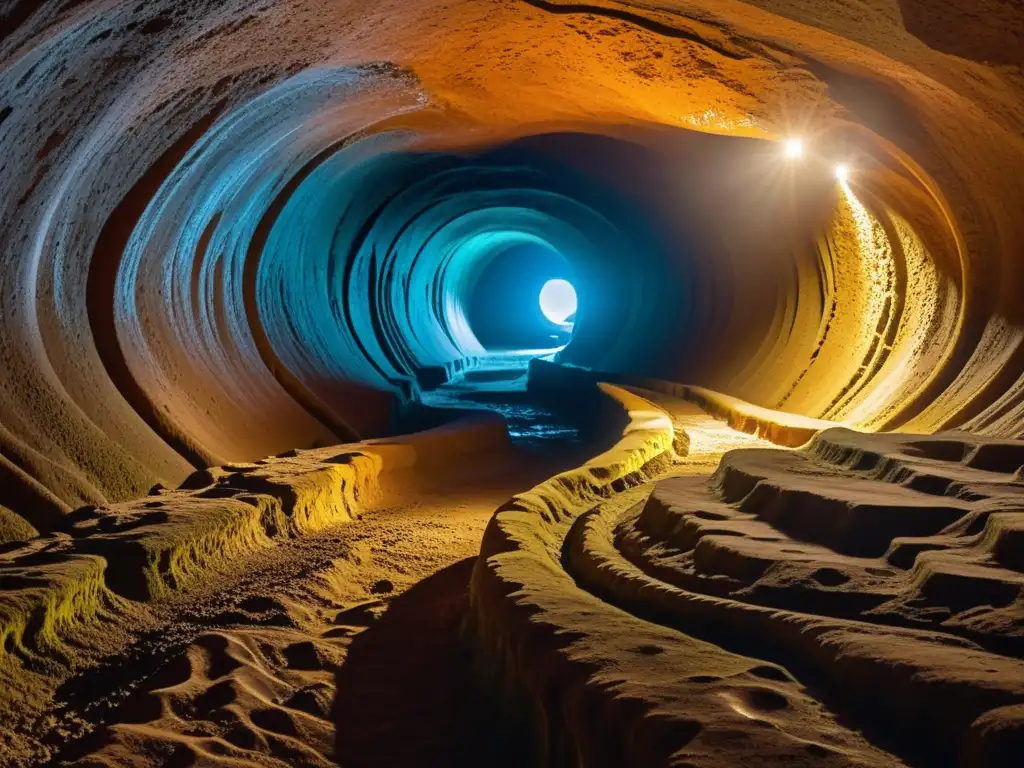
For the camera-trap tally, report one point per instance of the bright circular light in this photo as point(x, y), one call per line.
point(843, 172)
point(794, 148)
point(558, 300)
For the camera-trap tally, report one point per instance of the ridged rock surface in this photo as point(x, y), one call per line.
point(787, 528)
point(217, 209)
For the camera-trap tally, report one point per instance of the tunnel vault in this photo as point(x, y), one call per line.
point(369, 174)
point(280, 218)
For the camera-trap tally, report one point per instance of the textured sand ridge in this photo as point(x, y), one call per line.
point(763, 508)
point(866, 566)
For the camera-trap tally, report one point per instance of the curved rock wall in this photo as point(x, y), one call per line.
point(233, 228)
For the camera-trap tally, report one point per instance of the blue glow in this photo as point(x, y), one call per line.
point(325, 261)
point(558, 301)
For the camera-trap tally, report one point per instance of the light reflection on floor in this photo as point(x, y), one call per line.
point(531, 425)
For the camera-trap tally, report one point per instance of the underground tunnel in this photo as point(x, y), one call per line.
point(511, 382)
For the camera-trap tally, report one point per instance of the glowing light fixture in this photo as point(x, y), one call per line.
point(558, 301)
point(794, 149)
point(843, 173)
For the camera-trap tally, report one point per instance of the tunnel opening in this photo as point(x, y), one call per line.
point(559, 303)
point(515, 302)
point(516, 308)
point(519, 301)
point(713, 260)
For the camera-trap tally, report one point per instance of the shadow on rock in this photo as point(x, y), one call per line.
point(404, 693)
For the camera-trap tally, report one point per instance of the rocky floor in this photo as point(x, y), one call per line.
point(856, 601)
point(247, 669)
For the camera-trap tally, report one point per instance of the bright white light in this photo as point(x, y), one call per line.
point(843, 173)
point(558, 300)
point(794, 149)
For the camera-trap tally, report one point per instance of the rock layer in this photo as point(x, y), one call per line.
point(234, 229)
point(881, 571)
point(215, 209)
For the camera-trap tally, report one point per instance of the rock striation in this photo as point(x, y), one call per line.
point(233, 230)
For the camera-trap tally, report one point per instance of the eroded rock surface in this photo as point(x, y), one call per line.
point(234, 230)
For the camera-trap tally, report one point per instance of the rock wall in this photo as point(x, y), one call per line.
point(233, 228)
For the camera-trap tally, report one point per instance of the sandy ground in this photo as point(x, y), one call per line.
point(245, 670)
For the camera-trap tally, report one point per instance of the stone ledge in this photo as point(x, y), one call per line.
point(150, 547)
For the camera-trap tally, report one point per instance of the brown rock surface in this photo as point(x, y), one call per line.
point(238, 242)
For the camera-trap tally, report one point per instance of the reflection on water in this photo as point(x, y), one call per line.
point(531, 425)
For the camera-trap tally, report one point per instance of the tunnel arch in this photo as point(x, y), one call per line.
point(497, 300)
point(700, 255)
point(360, 282)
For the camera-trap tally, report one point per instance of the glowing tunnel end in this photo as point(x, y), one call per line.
point(558, 301)
point(794, 149)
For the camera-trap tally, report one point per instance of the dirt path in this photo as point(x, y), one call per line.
point(246, 669)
